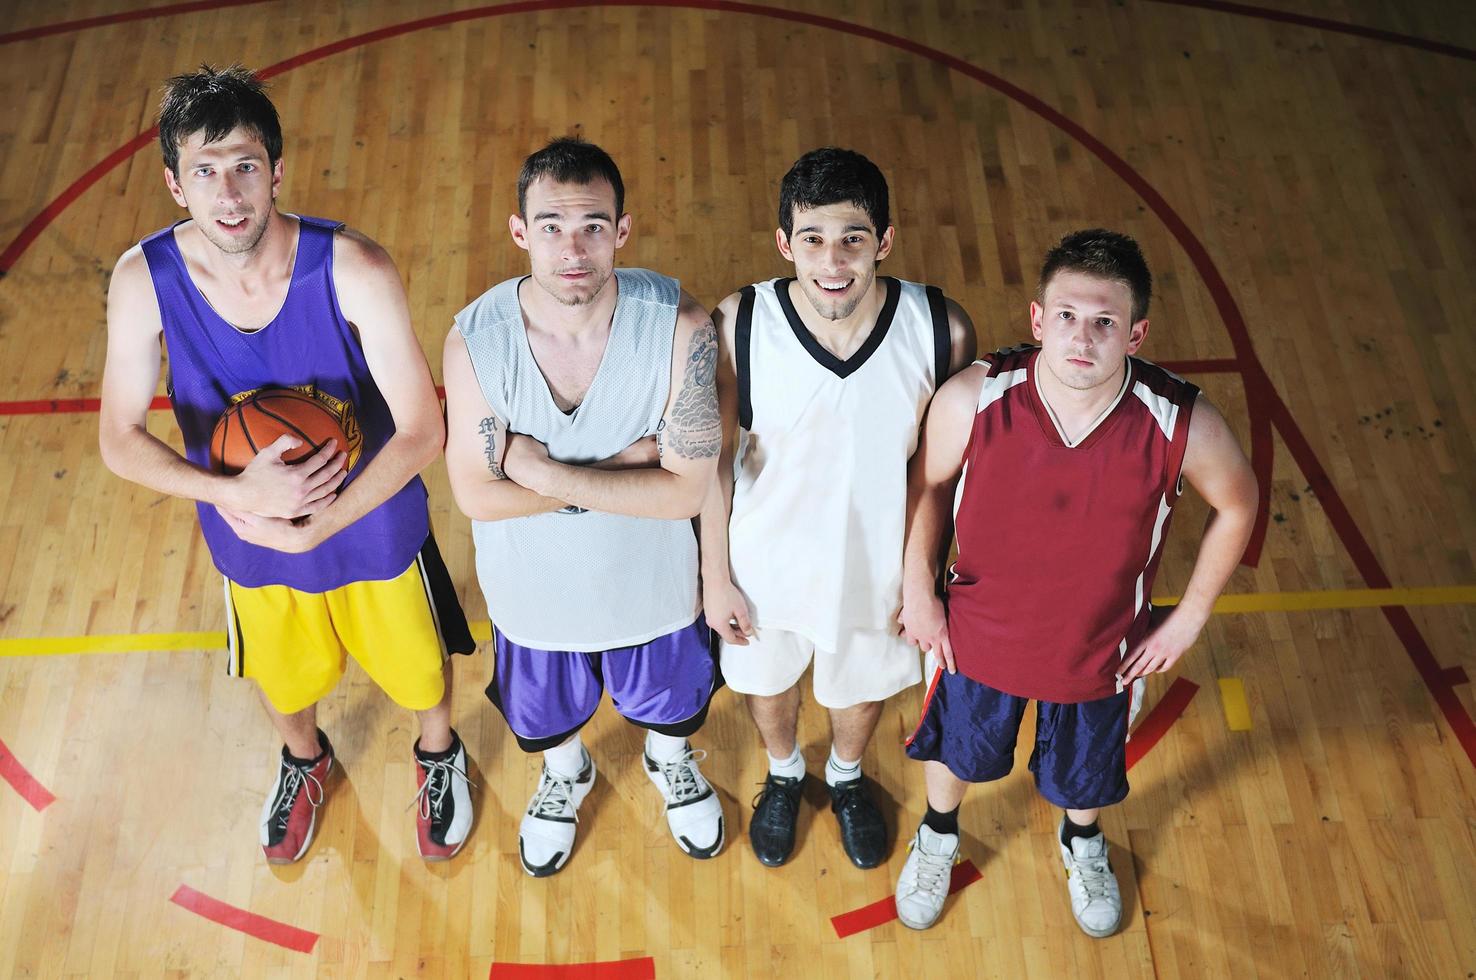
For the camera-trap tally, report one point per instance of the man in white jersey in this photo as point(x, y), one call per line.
point(583, 433)
point(825, 378)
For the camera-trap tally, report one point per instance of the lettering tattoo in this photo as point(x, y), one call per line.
point(694, 428)
point(487, 429)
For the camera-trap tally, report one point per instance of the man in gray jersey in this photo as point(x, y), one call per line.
point(583, 432)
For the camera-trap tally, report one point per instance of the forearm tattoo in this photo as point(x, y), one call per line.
point(487, 429)
point(695, 429)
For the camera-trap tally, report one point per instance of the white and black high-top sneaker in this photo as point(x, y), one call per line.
point(444, 817)
point(290, 814)
point(693, 810)
point(546, 835)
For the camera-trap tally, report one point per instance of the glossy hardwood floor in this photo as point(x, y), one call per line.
point(1304, 195)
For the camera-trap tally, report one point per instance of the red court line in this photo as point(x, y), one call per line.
point(1259, 389)
point(639, 969)
point(881, 912)
point(1158, 721)
point(1322, 23)
point(250, 923)
point(145, 13)
point(22, 781)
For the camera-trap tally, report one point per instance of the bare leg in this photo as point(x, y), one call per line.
point(851, 728)
point(777, 719)
point(299, 730)
point(1083, 818)
point(435, 723)
point(945, 790)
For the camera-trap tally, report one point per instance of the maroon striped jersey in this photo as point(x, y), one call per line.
point(1058, 542)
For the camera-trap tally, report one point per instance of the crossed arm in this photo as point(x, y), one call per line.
point(497, 474)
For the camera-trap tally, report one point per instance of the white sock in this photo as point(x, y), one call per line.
point(790, 768)
point(567, 759)
point(664, 748)
point(838, 770)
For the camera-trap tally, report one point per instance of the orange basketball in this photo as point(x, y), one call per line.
point(254, 423)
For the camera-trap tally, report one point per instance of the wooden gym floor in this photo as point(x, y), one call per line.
point(1298, 188)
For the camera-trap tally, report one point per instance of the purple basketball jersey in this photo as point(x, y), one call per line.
point(308, 345)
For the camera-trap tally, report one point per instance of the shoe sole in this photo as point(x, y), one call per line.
point(708, 853)
point(435, 858)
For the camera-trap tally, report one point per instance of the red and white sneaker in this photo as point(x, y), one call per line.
point(291, 812)
point(444, 818)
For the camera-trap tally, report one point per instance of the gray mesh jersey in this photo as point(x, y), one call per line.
point(590, 581)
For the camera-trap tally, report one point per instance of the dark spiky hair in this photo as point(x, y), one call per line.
point(1106, 255)
point(831, 175)
point(213, 102)
point(570, 160)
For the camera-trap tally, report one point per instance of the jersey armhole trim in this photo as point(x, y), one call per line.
point(942, 338)
point(742, 331)
point(1180, 445)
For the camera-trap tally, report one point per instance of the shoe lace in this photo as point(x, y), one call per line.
point(1094, 875)
point(934, 871)
point(785, 800)
point(432, 793)
point(854, 798)
point(297, 780)
point(554, 797)
point(683, 780)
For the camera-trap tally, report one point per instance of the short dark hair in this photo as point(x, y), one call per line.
point(831, 175)
point(1106, 255)
point(570, 159)
point(216, 101)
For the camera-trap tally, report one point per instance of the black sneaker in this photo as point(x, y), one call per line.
point(775, 815)
point(862, 829)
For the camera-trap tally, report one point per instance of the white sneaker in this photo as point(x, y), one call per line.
point(693, 811)
point(1095, 900)
point(923, 885)
point(546, 835)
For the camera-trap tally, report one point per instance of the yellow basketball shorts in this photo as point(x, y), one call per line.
point(296, 644)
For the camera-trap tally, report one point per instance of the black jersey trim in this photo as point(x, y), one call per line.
point(742, 332)
point(825, 358)
point(942, 336)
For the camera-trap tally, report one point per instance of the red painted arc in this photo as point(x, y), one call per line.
point(1261, 393)
point(143, 13)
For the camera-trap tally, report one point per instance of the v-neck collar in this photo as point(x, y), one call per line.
point(571, 417)
point(1047, 415)
point(826, 359)
point(291, 279)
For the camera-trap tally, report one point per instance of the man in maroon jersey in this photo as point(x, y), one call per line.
point(1069, 457)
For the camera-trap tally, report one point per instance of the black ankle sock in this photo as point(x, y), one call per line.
point(942, 823)
point(322, 750)
point(1071, 830)
point(449, 751)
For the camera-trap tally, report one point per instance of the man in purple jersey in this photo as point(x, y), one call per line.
point(328, 557)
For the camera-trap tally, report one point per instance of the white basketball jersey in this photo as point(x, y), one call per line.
point(820, 480)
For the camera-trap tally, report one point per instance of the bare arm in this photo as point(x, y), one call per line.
point(476, 440)
point(963, 341)
point(130, 376)
point(1217, 468)
point(689, 438)
point(371, 298)
point(931, 476)
point(726, 609)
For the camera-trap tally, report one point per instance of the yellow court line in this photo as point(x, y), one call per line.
point(1237, 708)
point(1248, 602)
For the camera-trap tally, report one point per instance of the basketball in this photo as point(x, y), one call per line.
point(256, 422)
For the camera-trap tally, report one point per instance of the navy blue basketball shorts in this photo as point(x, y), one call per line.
point(1080, 755)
